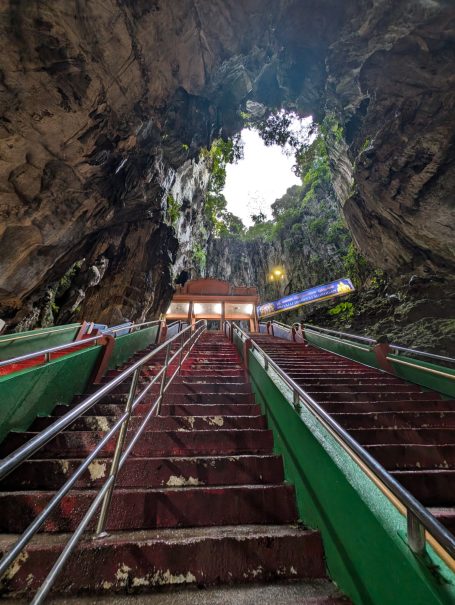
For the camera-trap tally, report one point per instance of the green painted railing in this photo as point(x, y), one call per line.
point(428, 374)
point(34, 392)
point(357, 351)
point(127, 345)
point(13, 345)
point(364, 534)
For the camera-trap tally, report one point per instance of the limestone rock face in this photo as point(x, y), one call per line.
point(102, 104)
point(391, 76)
point(106, 104)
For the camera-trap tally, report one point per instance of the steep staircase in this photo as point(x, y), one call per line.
point(202, 500)
point(410, 431)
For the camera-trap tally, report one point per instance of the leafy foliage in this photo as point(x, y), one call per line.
point(220, 154)
point(344, 310)
point(173, 210)
point(356, 265)
point(200, 257)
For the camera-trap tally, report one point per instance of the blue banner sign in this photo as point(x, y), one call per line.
point(316, 294)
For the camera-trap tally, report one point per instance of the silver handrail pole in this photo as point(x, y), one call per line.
point(163, 377)
point(117, 453)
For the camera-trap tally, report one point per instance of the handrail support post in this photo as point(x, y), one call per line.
point(163, 378)
point(181, 353)
point(100, 528)
point(416, 533)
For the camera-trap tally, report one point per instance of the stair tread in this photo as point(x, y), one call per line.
point(308, 592)
point(179, 534)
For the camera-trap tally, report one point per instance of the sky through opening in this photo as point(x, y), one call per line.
point(261, 177)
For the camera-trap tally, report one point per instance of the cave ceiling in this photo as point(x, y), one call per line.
point(106, 104)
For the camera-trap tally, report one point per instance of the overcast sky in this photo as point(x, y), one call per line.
point(264, 174)
point(255, 182)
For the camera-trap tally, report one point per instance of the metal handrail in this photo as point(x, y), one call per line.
point(188, 337)
point(21, 336)
point(130, 327)
point(422, 353)
point(338, 333)
point(48, 352)
point(283, 325)
point(417, 514)
point(75, 343)
point(371, 341)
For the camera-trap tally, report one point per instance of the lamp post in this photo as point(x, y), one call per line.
point(276, 277)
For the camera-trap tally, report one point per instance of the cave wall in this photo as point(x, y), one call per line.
point(106, 104)
point(391, 82)
point(103, 104)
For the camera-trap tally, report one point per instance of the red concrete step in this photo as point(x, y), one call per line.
point(431, 487)
point(209, 398)
point(230, 409)
point(281, 592)
point(135, 561)
point(428, 436)
point(197, 409)
point(209, 387)
point(108, 409)
point(409, 457)
point(138, 508)
point(225, 379)
point(151, 472)
point(446, 516)
point(193, 375)
point(213, 360)
point(332, 372)
point(382, 388)
point(408, 419)
point(345, 380)
point(369, 395)
point(161, 423)
point(387, 406)
point(187, 385)
point(78, 444)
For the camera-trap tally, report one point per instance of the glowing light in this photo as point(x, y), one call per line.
point(169, 310)
point(217, 308)
point(278, 272)
point(197, 309)
point(248, 309)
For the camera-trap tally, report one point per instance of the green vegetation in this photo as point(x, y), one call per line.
point(344, 310)
point(357, 267)
point(366, 144)
point(200, 257)
point(306, 221)
point(173, 210)
point(66, 281)
point(330, 127)
point(220, 154)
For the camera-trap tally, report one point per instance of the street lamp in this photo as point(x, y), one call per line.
point(276, 274)
point(276, 277)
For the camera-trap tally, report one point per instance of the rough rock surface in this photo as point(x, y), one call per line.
point(306, 254)
point(105, 103)
point(392, 79)
point(417, 313)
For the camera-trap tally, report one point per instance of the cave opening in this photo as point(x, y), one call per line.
point(266, 169)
